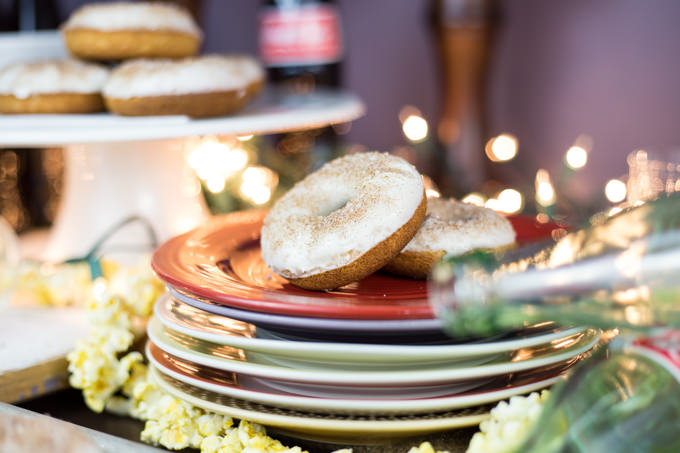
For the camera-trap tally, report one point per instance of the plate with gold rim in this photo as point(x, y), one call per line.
point(201, 325)
point(323, 425)
point(235, 360)
point(217, 381)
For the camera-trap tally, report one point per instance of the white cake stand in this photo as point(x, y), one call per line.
point(117, 166)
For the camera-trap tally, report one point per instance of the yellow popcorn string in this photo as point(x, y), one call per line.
point(120, 383)
point(509, 424)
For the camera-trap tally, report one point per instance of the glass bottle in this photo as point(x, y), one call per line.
point(301, 47)
point(623, 272)
point(624, 400)
point(301, 43)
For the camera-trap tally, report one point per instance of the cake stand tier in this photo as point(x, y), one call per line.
point(275, 111)
point(117, 167)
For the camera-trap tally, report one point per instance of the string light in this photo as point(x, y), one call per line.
point(474, 198)
point(508, 201)
point(215, 184)
point(545, 192)
point(216, 161)
point(502, 148)
point(415, 128)
point(258, 184)
point(576, 157)
point(615, 190)
point(542, 218)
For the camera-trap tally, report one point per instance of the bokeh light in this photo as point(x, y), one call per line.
point(545, 192)
point(615, 190)
point(576, 157)
point(258, 184)
point(502, 148)
point(216, 161)
point(474, 198)
point(508, 201)
point(415, 128)
point(613, 211)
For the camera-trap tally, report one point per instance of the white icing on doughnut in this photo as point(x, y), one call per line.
point(133, 16)
point(53, 76)
point(142, 78)
point(338, 213)
point(458, 228)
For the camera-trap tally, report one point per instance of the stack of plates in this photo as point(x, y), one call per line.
point(367, 361)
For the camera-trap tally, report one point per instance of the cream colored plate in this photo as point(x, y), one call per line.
point(217, 329)
point(234, 360)
point(349, 402)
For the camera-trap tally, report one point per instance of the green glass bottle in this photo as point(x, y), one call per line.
point(623, 272)
point(622, 400)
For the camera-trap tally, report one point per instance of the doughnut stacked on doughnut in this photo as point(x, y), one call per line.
point(118, 31)
point(166, 79)
point(451, 228)
point(366, 212)
point(344, 221)
point(66, 86)
point(204, 86)
point(163, 76)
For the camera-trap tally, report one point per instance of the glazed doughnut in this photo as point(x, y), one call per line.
point(452, 228)
point(116, 31)
point(200, 86)
point(344, 221)
point(54, 86)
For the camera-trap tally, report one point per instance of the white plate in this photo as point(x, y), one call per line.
point(217, 329)
point(274, 111)
point(327, 427)
point(317, 390)
point(215, 381)
point(234, 360)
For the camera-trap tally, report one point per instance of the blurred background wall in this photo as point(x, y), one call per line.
point(557, 70)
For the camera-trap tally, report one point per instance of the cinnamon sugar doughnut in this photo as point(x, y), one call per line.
point(116, 31)
point(200, 86)
point(53, 86)
point(344, 221)
point(452, 228)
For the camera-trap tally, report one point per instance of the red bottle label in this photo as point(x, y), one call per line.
point(309, 34)
point(664, 348)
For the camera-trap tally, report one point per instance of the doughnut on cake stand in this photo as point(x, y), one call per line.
point(116, 166)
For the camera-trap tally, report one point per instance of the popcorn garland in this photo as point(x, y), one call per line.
point(45, 283)
point(509, 424)
point(118, 305)
point(122, 385)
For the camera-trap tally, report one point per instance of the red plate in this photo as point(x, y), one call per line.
point(221, 262)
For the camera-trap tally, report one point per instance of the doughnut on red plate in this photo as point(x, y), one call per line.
point(221, 262)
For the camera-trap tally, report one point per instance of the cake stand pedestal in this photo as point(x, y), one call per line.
point(117, 167)
point(105, 183)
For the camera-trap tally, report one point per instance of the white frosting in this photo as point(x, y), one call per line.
point(458, 228)
point(54, 76)
point(143, 78)
point(133, 16)
point(340, 212)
